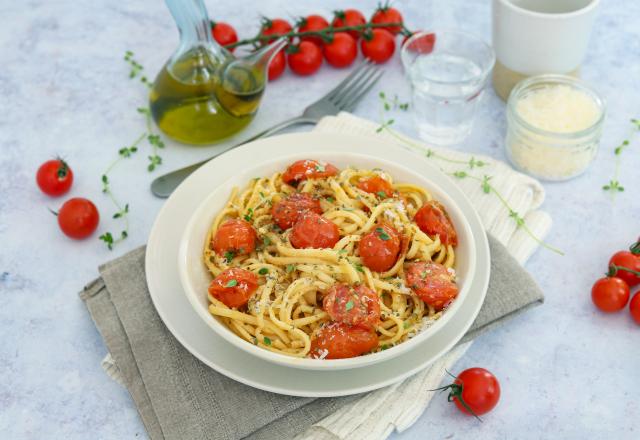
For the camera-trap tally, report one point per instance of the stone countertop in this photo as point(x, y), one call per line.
point(566, 370)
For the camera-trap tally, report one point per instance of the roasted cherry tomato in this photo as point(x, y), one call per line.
point(54, 177)
point(305, 58)
point(610, 294)
point(378, 45)
point(376, 185)
point(475, 391)
point(634, 308)
point(307, 169)
point(275, 27)
point(432, 219)
point(312, 23)
point(78, 218)
point(630, 261)
point(423, 44)
point(313, 231)
point(338, 341)
point(386, 14)
point(235, 237)
point(379, 248)
point(286, 212)
point(432, 282)
point(224, 33)
point(353, 305)
point(234, 286)
point(341, 51)
point(277, 65)
point(349, 17)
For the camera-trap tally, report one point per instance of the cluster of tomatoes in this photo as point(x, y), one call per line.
point(611, 293)
point(78, 217)
point(305, 54)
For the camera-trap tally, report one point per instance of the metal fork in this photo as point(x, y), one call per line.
point(344, 96)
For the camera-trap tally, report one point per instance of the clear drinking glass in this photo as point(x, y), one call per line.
point(447, 71)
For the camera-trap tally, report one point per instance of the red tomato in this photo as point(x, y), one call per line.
point(379, 248)
point(475, 389)
point(54, 177)
point(432, 219)
point(307, 169)
point(432, 282)
point(275, 27)
point(349, 17)
point(610, 294)
point(234, 286)
point(630, 261)
point(312, 23)
point(341, 51)
point(634, 308)
point(305, 58)
point(386, 14)
point(286, 212)
point(353, 305)
point(277, 65)
point(314, 231)
point(78, 218)
point(376, 185)
point(235, 237)
point(378, 45)
point(339, 341)
point(224, 33)
point(423, 44)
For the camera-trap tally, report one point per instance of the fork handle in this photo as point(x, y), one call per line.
point(164, 185)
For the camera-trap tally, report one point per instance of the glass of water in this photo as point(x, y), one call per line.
point(448, 71)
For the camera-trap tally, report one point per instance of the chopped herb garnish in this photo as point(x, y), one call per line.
point(382, 234)
point(330, 199)
point(231, 283)
point(266, 240)
point(348, 306)
point(342, 251)
point(384, 347)
point(406, 324)
point(291, 268)
point(249, 215)
point(382, 194)
point(229, 255)
point(320, 168)
point(266, 340)
point(358, 267)
point(263, 271)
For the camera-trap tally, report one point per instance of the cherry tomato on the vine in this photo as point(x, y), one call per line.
point(341, 51)
point(634, 307)
point(277, 65)
point(78, 218)
point(305, 58)
point(312, 23)
point(386, 14)
point(275, 27)
point(475, 391)
point(223, 33)
point(610, 294)
point(378, 45)
point(54, 177)
point(630, 261)
point(349, 17)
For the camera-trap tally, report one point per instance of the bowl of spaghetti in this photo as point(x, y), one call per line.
point(327, 260)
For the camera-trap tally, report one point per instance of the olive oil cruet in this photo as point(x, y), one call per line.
point(204, 94)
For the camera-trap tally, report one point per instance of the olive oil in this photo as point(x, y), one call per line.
point(199, 100)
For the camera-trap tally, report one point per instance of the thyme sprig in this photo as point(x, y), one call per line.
point(614, 186)
point(153, 139)
point(136, 69)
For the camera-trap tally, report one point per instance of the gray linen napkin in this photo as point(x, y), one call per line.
point(178, 397)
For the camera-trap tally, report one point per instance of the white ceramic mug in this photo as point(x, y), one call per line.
point(532, 37)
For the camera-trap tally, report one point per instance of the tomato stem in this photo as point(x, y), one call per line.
point(614, 268)
point(635, 248)
point(455, 392)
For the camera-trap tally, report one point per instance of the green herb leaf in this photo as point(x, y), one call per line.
point(249, 215)
point(266, 340)
point(290, 268)
point(229, 255)
point(382, 234)
point(231, 283)
point(349, 305)
point(382, 194)
point(263, 271)
point(266, 241)
point(358, 267)
point(330, 199)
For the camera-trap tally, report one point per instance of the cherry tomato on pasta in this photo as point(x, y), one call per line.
point(379, 248)
point(634, 308)
point(378, 45)
point(341, 51)
point(234, 286)
point(475, 391)
point(236, 237)
point(307, 169)
point(376, 185)
point(286, 211)
point(432, 282)
point(277, 65)
point(305, 58)
point(353, 305)
point(78, 218)
point(432, 219)
point(610, 294)
point(349, 17)
point(223, 33)
point(386, 14)
point(630, 261)
point(339, 341)
point(275, 27)
point(54, 177)
point(312, 23)
point(313, 231)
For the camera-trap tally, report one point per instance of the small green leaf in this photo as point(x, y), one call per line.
point(263, 271)
point(266, 340)
point(266, 241)
point(348, 306)
point(330, 199)
point(229, 255)
point(382, 194)
point(358, 267)
point(290, 268)
point(231, 283)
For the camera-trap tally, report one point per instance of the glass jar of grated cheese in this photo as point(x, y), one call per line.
point(554, 126)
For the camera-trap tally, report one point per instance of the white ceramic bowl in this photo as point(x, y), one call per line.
point(195, 277)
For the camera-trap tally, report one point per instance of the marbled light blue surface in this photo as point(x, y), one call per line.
point(566, 370)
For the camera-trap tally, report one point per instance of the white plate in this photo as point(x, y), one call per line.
point(184, 323)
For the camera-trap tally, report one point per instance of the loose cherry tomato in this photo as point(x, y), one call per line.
point(54, 177)
point(307, 169)
point(234, 286)
point(610, 294)
point(423, 44)
point(630, 261)
point(475, 391)
point(432, 282)
point(286, 212)
point(305, 58)
point(376, 185)
point(224, 33)
point(275, 27)
point(78, 218)
point(349, 17)
point(353, 305)
point(341, 51)
point(379, 248)
point(340, 341)
point(277, 65)
point(234, 237)
point(634, 308)
point(386, 14)
point(432, 219)
point(378, 45)
point(312, 23)
point(313, 231)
